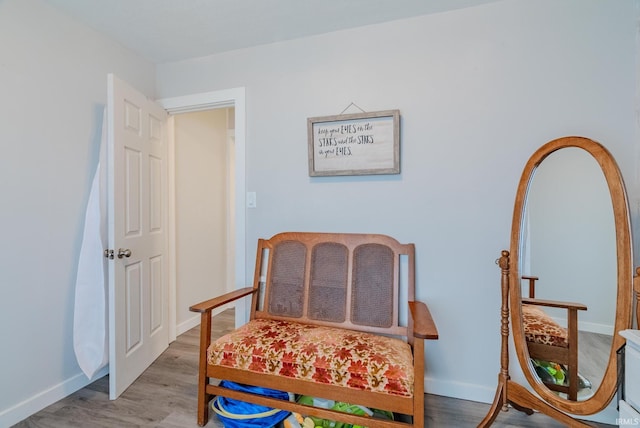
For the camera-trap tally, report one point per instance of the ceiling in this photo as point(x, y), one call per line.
point(172, 30)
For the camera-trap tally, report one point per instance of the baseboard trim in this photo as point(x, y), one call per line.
point(187, 325)
point(194, 321)
point(461, 390)
point(28, 407)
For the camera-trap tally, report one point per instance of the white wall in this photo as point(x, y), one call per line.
point(479, 90)
point(201, 210)
point(53, 81)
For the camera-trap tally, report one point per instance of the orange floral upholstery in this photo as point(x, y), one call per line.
point(321, 354)
point(541, 328)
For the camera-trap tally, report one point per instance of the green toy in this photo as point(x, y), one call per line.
point(549, 371)
point(341, 407)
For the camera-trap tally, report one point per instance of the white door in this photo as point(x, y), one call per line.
point(137, 212)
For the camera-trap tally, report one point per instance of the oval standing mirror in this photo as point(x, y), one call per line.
point(567, 283)
point(571, 273)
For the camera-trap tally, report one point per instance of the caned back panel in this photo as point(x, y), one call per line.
point(372, 296)
point(347, 280)
point(287, 279)
point(328, 282)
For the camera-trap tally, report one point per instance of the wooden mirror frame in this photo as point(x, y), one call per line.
point(547, 402)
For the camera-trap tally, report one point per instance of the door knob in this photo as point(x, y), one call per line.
point(124, 253)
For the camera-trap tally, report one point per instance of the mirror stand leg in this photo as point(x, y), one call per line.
point(498, 403)
point(501, 402)
point(522, 409)
point(522, 396)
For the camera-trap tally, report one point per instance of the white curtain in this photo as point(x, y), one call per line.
point(90, 336)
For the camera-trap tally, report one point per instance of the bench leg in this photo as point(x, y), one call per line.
point(203, 380)
point(418, 413)
point(203, 412)
point(418, 388)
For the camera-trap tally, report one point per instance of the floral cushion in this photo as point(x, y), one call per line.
point(321, 354)
point(541, 328)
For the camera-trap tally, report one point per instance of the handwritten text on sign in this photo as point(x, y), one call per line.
point(354, 146)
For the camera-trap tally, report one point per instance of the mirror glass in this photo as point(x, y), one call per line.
point(568, 242)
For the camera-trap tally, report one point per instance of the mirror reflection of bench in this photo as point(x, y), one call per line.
point(326, 321)
point(552, 348)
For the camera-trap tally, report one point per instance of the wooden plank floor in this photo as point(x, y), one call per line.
point(165, 396)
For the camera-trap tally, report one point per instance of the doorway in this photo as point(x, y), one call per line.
point(203, 183)
point(233, 102)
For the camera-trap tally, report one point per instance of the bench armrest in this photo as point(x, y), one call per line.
point(209, 305)
point(554, 304)
point(423, 325)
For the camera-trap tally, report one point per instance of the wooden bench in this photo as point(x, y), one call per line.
point(326, 321)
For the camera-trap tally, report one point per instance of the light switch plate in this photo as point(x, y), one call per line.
point(251, 199)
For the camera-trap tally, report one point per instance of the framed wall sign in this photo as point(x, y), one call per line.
point(354, 144)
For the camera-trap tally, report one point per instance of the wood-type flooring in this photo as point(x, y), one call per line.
point(165, 396)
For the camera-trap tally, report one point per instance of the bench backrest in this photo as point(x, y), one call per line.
point(339, 279)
